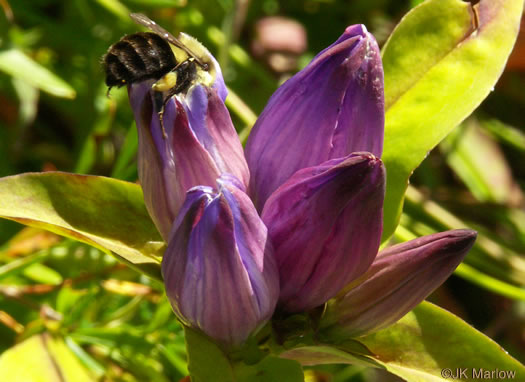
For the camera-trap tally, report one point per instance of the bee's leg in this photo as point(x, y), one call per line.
point(161, 114)
point(160, 102)
point(167, 98)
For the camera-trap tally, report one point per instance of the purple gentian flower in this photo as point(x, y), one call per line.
point(400, 278)
point(333, 107)
point(317, 180)
point(219, 269)
point(325, 225)
point(196, 145)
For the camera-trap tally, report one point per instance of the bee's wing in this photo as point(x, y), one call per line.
point(141, 19)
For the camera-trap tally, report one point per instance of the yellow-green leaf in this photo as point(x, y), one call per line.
point(106, 213)
point(18, 65)
point(42, 358)
point(440, 62)
point(429, 343)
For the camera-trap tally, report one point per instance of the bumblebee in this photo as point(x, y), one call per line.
point(157, 55)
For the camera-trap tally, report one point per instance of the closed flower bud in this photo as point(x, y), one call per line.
point(193, 145)
point(400, 278)
point(325, 224)
point(219, 268)
point(331, 108)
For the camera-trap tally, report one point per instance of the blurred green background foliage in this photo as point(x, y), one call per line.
point(55, 115)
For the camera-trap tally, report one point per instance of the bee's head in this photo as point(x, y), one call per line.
point(207, 67)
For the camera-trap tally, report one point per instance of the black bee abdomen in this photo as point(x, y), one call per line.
point(138, 57)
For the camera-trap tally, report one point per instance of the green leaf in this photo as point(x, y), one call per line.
point(418, 348)
point(158, 3)
point(42, 358)
point(19, 265)
point(430, 341)
point(479, 162)
point(106, 213)
point(491, 255)
point(176, 356)
point(345, 353)
point(18, 65)
point(206, 361)
point(438, 68)
point(505, 133)
point(127, 153)
point(116, 8)
point(270, 369)
point(490, 283)
point(128, 346)
point(86, 359)
point(28, 97)
point(43, 275)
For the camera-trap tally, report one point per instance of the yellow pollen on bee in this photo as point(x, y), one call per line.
point(205, 77)
point(166, 83)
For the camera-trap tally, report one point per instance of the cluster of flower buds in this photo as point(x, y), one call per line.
point(299, 221)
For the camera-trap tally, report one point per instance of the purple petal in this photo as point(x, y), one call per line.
point(212, 125)
point(167, 166)
point(156, 177)
point(218, 84)
point(331, 108)
point(400, 278)
point(219, 270)
point(199, 144)
point(325, 223)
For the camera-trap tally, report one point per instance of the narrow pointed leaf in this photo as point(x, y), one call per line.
point(325, 355)
point(479, 162)
point(17, 64)
point(106, 213)
point(438, 68)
